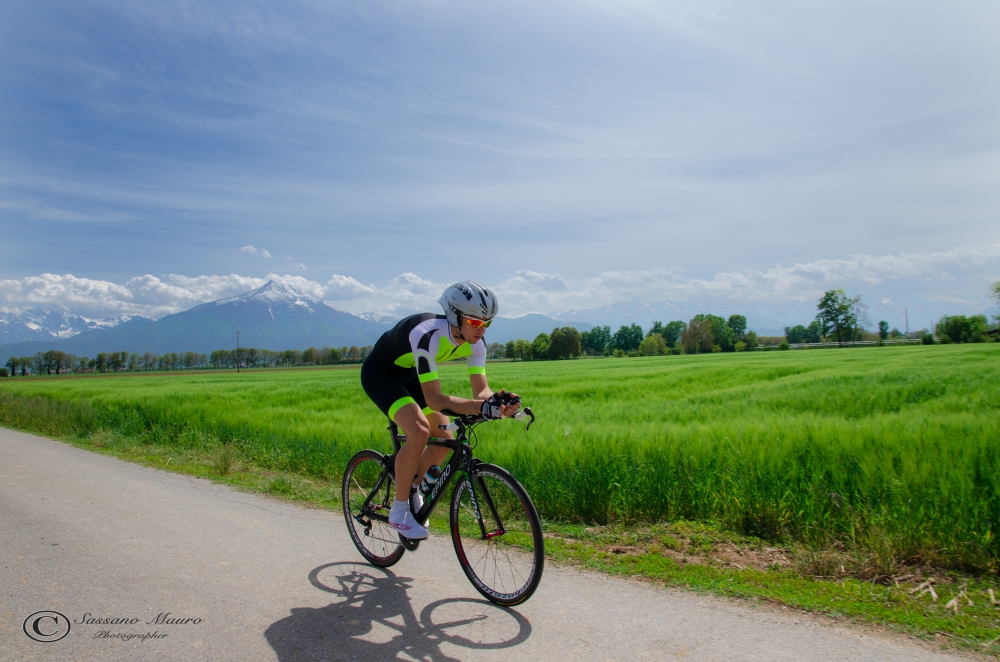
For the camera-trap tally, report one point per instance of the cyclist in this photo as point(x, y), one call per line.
point(400, 376)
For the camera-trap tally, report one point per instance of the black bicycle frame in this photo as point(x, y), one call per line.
point(461, 460)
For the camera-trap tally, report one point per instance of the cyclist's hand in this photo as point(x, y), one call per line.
point(511, 402)
point(492, 407)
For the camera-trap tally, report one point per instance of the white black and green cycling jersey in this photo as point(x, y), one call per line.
point(408, 355)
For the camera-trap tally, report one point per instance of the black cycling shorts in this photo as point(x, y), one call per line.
point(392, 388)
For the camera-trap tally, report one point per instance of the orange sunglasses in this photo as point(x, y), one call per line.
point(478, 323)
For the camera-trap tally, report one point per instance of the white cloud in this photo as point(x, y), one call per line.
point(253, 250)
point(936, 277)
point(346, 288)
point(143, 295)
point(404, 294)
point(66, 293)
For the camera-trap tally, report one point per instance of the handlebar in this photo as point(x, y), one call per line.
point(462, 420)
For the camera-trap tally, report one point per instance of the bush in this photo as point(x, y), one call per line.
point(653, 345)
point(4, 372)
point(784, 345)
point(740, 346)
point(927, 339)
point(960, 329)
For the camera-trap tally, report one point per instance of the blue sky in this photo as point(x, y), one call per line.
point(155, 155)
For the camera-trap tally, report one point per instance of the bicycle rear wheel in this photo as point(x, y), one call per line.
point(497, 535)
point(375, 539)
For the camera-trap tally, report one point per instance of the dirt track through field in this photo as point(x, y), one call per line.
point(82, 534)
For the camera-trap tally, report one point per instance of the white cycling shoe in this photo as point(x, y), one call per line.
point(402, 520)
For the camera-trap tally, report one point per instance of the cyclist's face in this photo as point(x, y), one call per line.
point(471, 334)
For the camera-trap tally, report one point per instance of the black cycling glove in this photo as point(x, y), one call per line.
point(492, 407)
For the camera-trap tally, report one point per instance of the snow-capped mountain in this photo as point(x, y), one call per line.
point(44, 324)
point(271, 317)
point(379, 319)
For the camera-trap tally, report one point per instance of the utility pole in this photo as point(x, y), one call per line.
point(906, 314)
point(237, 352)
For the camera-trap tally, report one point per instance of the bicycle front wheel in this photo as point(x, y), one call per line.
point(497, 535)
point(374, 538)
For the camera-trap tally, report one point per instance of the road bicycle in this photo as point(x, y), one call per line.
point(495, 528)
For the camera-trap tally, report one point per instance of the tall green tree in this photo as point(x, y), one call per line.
point(596, 341)
point(738, 323)
point(564, 343)
point(838, 315)
point(627, 338)
point(672, 332)
point(540, 346)
point(698, 337)
point(995, 293)
point(883, 330)
point(721, 332)
point(814, 332)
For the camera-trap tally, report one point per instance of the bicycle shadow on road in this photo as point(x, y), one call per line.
point(374, 620)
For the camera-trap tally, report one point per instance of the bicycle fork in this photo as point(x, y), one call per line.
point(472, 476)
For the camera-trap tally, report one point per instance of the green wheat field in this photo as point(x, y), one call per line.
point(889, 448)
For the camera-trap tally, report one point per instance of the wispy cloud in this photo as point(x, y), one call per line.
point(252, 250)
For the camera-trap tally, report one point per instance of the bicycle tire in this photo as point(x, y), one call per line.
point(377, 542)
point(505, 568)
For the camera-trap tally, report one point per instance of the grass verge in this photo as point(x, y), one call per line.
point(958, 610)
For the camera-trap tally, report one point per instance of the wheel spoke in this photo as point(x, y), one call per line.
point(379, 545)
point(505, 567)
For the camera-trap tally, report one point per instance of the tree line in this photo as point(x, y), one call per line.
point(56, 362)
point(839, 319)
point(703, 333)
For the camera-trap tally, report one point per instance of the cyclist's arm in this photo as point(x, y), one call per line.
point(480, 388)
point(437, 400)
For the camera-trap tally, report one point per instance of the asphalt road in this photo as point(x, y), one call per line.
point(88, 536)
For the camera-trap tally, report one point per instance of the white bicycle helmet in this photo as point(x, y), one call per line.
point(468, 298)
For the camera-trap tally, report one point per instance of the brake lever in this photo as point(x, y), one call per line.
point(523, 414)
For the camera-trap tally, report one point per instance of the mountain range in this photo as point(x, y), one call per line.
point(45, 325)
point(271, 317)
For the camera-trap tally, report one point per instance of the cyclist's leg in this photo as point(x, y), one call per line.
point(434, 454)
point(417, 428)
point(429, 454)
point(403, 402)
